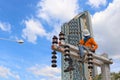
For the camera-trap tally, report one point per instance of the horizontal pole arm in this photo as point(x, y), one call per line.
point(74, 50)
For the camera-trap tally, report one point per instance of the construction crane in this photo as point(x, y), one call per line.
point(90, 58)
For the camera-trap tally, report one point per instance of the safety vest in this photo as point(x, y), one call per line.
point(90, 43)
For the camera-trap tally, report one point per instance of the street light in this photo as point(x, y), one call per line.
point(18, 41)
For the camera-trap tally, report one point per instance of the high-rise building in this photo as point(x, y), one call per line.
point(73, 33)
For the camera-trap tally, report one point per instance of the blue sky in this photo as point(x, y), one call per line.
point(36, 21)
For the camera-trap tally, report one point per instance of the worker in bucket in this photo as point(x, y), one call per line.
point(87, 43)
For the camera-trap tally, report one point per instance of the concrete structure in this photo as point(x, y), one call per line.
point(100, 60)
point(73, 33)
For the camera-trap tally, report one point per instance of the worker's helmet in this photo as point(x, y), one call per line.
point(86, 32)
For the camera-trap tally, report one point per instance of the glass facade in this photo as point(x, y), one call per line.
point(73, 33)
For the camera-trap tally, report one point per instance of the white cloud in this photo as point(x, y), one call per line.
point(55, 31)
point(96, 3)
point(33, 29)
point(6, 73)
point(53, 13)
point(46, 71)
point(57, 9)
point(5, 26)
point(115, 67)
point(106, 26)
